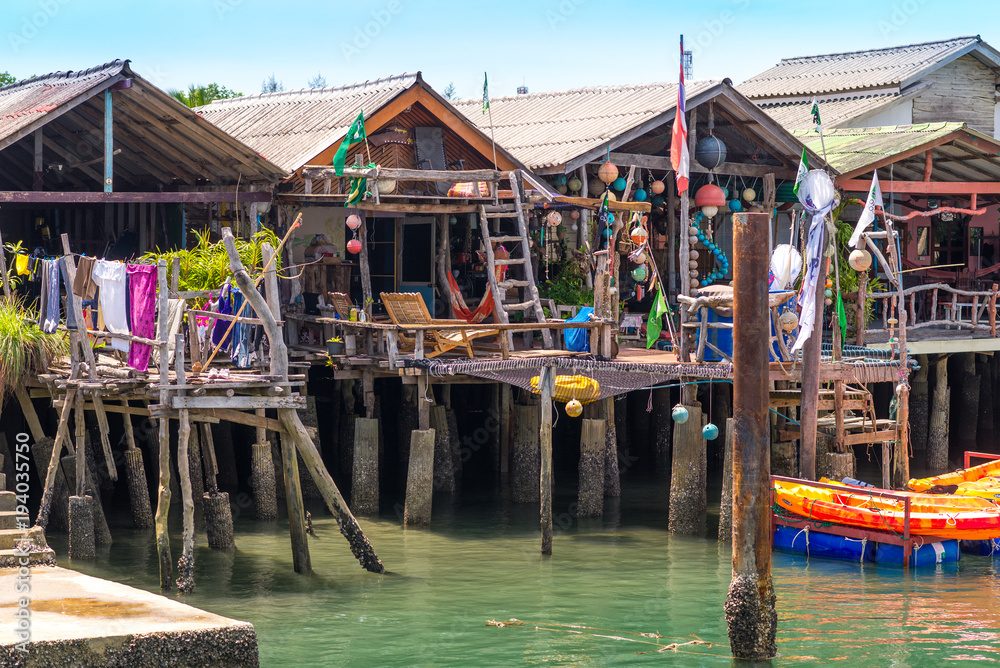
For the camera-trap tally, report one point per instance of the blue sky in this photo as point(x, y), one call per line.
point(545, 44)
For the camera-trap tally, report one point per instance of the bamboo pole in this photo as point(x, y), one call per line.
point(62, 433)
point(163, 500)
point(810, 376)
point(185, 565)
point(547, 386)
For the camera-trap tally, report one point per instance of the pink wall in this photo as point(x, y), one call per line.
point(989, 221)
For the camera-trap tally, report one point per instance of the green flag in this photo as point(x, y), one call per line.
point(803, 170)
point(814, 110)
point(842, 317)
point(655, 322)
point(355, 134)
point(486, 94)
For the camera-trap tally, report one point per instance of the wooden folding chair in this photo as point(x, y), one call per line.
point(408, 308)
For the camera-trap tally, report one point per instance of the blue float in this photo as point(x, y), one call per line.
point(680, 414)
point(640, 195)
point(710, 432)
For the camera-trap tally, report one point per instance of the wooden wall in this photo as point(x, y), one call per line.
point(963, 90)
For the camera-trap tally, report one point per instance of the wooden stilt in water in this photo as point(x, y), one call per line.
point(590, 498)
point(937, 435)
point(547, 385)
point(163, 495)
point(185, 565)
point(420, 478)
point(612, 474)
point(262, 476)
point(688, 478)
point(364, 482)
point(81, 527)
point(726, 503)
point(750, 604)
point(444, 463)
point(62, 433)
point(526, 462)
point(301, 561)
point(506, 400)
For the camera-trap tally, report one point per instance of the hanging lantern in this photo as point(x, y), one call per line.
point(354, 246)
point(710, 152)
point(657, 187)
point(860, 260)
point(788, 321)
point(639, 273)
point(554, 218)
point(735, 205)
point(710, 432)
point(353, 221)
point(709, 211)
point(638, 235)
point(749, 195)
point(618, 184)
point(640, 195)
point(680, 414)
point(608, 172)
point(575, 184)
point(574, 408)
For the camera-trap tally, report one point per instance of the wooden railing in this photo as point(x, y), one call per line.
point(965, 309)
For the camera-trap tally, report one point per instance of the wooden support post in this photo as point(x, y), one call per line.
point(726, 503)
point(526, 464)
point(919, 406)
point(163, 496)
point(301, 560)
point(612, 474)
point(660, 419)
point(750, 604)
point(420, 478)
point(81, 446)
point(185, 565)
point(590, 497)
point(109, 143)
point(937, 434)
point(968, 404)
point(424, 403)
point(365, 478)
point(810, 377)
point(547, 384)
point(62, 433)
point(81, 527)
point(444, 463)
point(264, 483)
point(688, 479)
point(102, 423)
point(28, 409)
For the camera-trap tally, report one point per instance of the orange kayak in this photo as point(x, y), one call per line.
point(971, 474)
point(967, 518)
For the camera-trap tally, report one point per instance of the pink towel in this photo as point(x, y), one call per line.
point(142, 302)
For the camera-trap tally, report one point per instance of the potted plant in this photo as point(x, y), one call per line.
point(335, 346)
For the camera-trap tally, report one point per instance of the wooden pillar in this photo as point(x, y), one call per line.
point(364, 482)
point(163, 496)
point(985, 429)
point(590, 498)
point(967, 417)
point(301, 561)
point(420, 479)
point(726, 503)
point(109, 143)
point(937, 434)
point(919, 407)
point(546, 383)
point(444, 462)
point(506, 402)
point(185, 565)
point(688, 496)
point(612, 473)
point(750, 605)
point(526, 464)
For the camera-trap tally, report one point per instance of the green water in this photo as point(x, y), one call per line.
point(620, 576)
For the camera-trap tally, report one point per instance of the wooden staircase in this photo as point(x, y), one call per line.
point(527, 287)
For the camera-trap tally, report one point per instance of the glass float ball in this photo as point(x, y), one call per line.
point(612, 197)
point(828, 292)
point(354, 246)
point(559, 180)
point(860, 260)
point(693, 282)
point(562, 190)
point(704, 283)
point(640, 258)
point(606, 233)
point(452, 220)
point(709, 211)
point(574, 214)
point(573, 227)
point(574, 408)
point(735, 205)
point(725, 192)
point(828, 302)
point(658, 201)
point(710, 432)
point(657, 187)
point(639, 273)
point(749, 194)
point(594, 187)
point(638, 235)
point(353, 221)
point(618, 184)
point(640, 195)
point(788, 321)
point(575, 184)
point(554, 218)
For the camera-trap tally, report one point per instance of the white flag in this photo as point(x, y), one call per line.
point(868, 215)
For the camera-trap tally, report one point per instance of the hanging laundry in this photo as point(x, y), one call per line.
point(21, 262)
point(110, 277)
point(84, 285)
point(242, 332)
point(142, 299)
point(71, 314)
point(225, 306)
point(51, 315)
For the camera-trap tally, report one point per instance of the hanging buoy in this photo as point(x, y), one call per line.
point(353, 221)
point(788, 321)
point(860, 260)
point(680, 414)
point(657, 187)
point(710, 432)
point(574, 408)
point(354, 246)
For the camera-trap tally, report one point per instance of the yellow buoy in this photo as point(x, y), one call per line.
point(582, 388)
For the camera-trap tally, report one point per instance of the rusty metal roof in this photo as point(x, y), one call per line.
point(959, 152)
point(890, 68)
point(293, 126)
point(160, 141)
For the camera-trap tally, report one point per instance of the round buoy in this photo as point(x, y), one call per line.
point(657, 187)
point(574, 408)
point(680, 414)
point(860, 260)
point(354, 246)
point(353, 221)
point(710, 432)
point(788, 321)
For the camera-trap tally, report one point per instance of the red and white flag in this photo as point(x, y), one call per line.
point(680, 159)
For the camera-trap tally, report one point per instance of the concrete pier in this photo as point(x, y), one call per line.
point(937, 434)
point(364, 482)
point(527, 462)
point(78, 620)
point(919, 407)
point(420, 479)
point(688, 498)
point(590, 500)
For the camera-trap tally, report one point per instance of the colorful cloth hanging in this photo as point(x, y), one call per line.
point(485, 308)
point(142, 300)
point(110, 277)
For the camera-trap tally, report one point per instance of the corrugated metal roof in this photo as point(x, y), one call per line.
point(963, 154)
point(797, 116)
point(23, 103)
point(856, 70)
point(549, 129)
point(291, 127)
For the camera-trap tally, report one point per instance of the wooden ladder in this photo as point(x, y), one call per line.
point(499, 289)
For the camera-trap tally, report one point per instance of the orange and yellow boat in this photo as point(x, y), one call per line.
point(972, 474)
point(944, 516)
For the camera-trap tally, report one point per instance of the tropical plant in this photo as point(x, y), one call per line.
point(6, 78)
point(15, 249)
point(206, 265)
point(197, 96)
point(568, 285)
point(23, 346)
point(850, 279)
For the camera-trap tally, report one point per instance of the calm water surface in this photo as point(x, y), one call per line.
point(607, 583)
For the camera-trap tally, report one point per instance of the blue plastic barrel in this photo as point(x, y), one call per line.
point(931, 553)
point(794, 539)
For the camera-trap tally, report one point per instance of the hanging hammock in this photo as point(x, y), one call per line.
point(485, 308)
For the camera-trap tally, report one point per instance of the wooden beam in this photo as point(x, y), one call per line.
point(923, 187)
point(238, 403)
point(400, 207)
point(439, 175)
point(898, 157)
point(595, 204)
point(32, 197)
point(662, 163)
